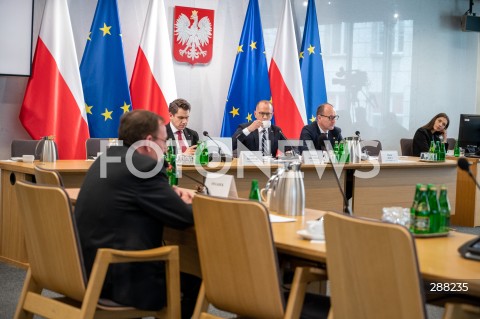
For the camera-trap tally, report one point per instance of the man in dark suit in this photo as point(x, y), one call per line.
point(259, 135)
point(125, 204)
point(185, 139)
point(322, 129)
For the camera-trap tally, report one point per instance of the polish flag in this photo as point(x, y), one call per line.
point(286, 79)
point(53, 103)
point(153, 80)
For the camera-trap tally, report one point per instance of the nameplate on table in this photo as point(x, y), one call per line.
point(183, 159)
point(312, 157)
point(388, 157)
point(221, 185)
point(251, 158)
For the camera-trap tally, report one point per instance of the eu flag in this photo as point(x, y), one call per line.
point(249, 82)
point(311, 64)
point(103, 72)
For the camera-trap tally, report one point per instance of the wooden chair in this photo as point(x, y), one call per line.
point(451, 143)
point(373, 271)
point(372, 147)
point(55, 263)
point(28, 147)
point(406, 145)
point(239, 262)
point(47, 176)
point(92, 146)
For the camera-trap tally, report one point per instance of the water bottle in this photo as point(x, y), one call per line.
point(456, 150)
point(444, 204)
point(254, 191)
point(422, 214)
point(434, 209)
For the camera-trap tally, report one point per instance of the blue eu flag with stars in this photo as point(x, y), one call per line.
point(249, 82)
point(311, 64)
point(103, 72)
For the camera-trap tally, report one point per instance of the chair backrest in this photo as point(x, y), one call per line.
point(406, 145)
point(451, 143)
point(92, 146)
point(372, 147)
point(237, 256)
point(47, 176)
point(51, 239)
point(373, 269)
point(28, 147)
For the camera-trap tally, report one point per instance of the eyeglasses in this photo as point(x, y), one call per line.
point(267, 114)
point(331, 117)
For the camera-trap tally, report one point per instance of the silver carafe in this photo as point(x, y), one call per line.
point(48, 150)
point(354, 149)
point(271, 188)
point(290, 191)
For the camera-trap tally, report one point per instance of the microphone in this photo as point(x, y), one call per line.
point(321, 141)
point(464, 165)
point(357, 133)
point(346, 208)
point(202, 189)
point(220, 152)
point(294, 153)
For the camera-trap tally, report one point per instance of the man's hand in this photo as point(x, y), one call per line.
point(190, 150)
point(255, 125)
point(185, 194)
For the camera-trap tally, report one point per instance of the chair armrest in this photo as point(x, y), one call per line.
point(107, 256)
point(113, 256)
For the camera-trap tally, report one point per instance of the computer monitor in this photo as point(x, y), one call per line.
point(469, 132)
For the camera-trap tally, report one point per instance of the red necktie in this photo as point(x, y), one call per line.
point(181, 141)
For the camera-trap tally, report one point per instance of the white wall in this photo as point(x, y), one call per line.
point(436, 72)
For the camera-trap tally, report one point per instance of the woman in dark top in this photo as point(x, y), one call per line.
point(435, 130)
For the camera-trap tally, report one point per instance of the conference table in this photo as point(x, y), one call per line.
point(369, 185)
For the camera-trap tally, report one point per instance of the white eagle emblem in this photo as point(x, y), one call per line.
point(193, 36)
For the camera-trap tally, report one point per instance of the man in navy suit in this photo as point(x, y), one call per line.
point(185, 139)
point(259, 135)
point(322, 129)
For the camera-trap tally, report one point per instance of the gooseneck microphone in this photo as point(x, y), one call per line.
point(346, 208)
point(294, 152)
point(197, 181)
point(220, 151)
point(464, 165)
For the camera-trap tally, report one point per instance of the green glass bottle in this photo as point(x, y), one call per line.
point(254, 191)
point(422, 212)
point(456, 150)
point(336, 149)
point(444, 205)
point(341, 148)
point(172, 170)
point(413, 208)
point(437, 151)
point(204, 154)
point(443, 152)
point(432, 147)
point(434, 209)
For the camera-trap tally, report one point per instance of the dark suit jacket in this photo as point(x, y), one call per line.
point(123, 211)
point(312, 132)
point(252, 140)
point(191, 135)
point(422, 140)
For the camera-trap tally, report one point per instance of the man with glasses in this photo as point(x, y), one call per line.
point(124, 203)
point(322, 129)
point(185, 139)
point(259, 135)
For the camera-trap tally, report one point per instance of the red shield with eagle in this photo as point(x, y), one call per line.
point(193, 35)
